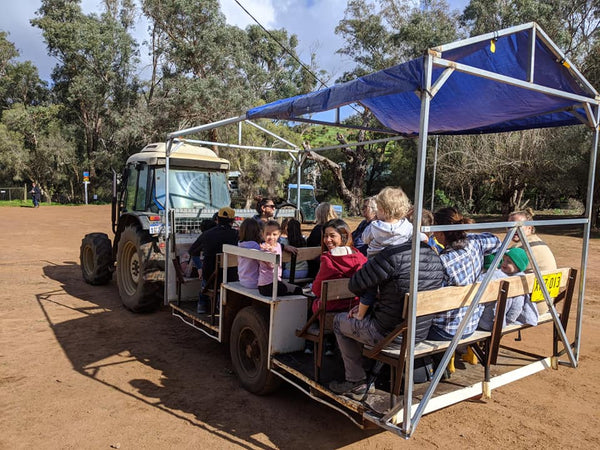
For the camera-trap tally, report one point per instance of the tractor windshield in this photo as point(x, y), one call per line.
point(192, 189)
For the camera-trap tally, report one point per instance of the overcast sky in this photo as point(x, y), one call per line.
point(313, 21)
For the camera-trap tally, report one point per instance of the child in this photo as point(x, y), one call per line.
point(250, 237)
point(392, 226)
point(519, 309)
point(271, 234)
point(295, 239)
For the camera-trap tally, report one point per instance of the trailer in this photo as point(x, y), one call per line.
point(508, 80)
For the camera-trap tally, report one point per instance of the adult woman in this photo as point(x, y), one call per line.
point(462, 258)
point(323, 214)
point(541, 252)
point(265, 207)
point(339, 260)
point(369, 212)
point(372, 320)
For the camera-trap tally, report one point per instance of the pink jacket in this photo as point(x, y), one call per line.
point(265, 270)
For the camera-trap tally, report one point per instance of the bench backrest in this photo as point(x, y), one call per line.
point(453, 297)
point(304, 254)
point(232, 261)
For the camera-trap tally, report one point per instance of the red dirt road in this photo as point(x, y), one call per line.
point(77, 370)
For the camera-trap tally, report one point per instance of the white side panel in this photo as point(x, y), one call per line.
point(287, 316)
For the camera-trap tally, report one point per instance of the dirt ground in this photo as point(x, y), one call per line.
point(77, 370)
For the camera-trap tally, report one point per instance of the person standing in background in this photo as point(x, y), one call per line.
point(36, 194)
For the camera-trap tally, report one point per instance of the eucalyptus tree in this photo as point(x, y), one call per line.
point(33, 142)
point(95, 71)
point(377, 35)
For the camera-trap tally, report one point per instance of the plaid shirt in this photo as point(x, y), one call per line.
point(463, 267)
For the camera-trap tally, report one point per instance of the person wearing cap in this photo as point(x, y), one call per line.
point(210, 243)
point(519, 309)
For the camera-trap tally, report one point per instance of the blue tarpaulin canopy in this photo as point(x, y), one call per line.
point(469, 100)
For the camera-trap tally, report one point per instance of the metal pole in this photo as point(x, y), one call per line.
point(298, 180)
point(435, 153)
point(85, 183)
point(167, 221)
point(437, 376)
point(416, 245)
point(586, 234)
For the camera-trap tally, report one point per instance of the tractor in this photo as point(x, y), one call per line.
point(197, 188)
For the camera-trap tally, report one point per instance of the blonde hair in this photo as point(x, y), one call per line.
point(324, 213)
point(393, 202)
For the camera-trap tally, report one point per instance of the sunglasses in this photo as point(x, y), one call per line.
point(269, 206)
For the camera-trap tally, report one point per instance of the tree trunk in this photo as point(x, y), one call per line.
point(342, 189)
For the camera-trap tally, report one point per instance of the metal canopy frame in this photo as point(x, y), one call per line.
point(434, 58)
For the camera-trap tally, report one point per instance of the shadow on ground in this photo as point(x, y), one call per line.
point(180, 371)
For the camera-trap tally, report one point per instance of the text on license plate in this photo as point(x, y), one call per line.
point(155, 228)
point(552, 282)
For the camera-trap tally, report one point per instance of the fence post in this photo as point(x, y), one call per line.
point(25, 192)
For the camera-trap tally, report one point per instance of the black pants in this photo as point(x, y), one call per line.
point(283, 288)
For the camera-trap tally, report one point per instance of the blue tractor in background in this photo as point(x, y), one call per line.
point(308, 202)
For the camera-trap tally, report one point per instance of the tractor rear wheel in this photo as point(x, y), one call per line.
point(138, 276)
point(95, 257)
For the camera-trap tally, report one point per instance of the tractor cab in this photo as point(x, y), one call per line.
point(308, 202)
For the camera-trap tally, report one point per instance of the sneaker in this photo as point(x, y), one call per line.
point(308, 348)
point(329, 345)
point(360, 391)
point(202, 307)
point(350, 387)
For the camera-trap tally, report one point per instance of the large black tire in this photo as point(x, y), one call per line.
point(249, 348)
point(139, 275)
point(95, 257)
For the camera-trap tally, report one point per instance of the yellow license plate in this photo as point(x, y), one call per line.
point(552, 282)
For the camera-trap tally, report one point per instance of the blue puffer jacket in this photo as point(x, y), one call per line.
point(390, 271)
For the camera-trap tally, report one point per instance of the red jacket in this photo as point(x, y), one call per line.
point(332, 268)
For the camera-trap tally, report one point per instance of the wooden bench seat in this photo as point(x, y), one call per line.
point(236, 286)
point(453, 297)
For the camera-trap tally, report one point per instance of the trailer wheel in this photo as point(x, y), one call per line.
point(138, 278)
point(249, 351)
point(95, 257)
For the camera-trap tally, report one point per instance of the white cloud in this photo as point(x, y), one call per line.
point(313, 21)
point(262, 10)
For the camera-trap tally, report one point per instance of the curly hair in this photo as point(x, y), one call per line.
point(260, 202)
point(393, 202)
